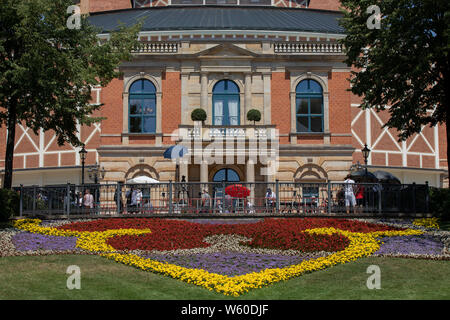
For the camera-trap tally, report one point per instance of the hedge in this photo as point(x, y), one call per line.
point(9, 204)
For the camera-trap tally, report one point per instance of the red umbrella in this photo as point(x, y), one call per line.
point(237, 191)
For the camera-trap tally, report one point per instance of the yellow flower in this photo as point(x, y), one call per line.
point(361, 245)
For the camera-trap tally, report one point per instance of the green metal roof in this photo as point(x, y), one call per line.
point(222, 18)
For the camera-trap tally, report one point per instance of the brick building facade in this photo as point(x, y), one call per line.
point(227, 57)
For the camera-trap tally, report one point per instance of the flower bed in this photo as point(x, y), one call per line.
point(230, 258)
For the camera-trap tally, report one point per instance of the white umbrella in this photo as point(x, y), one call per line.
point(142, 180)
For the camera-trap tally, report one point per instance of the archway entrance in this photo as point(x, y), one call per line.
point(226, 103)
point(222, 178)
point(227, 175)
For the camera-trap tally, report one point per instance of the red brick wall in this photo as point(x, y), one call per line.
point(281, 104)
point(106, 5)
point(339, 106)
point(443, 146)
point(171, 103)
point(325, 4)
point(112, 110)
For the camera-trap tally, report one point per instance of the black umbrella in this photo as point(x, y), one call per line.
point(386, 177)
point(363, 176)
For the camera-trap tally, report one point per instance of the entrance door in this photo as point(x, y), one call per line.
point(223, 177)
point(226, 107)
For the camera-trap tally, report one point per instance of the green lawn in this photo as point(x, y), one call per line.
point(45, 277)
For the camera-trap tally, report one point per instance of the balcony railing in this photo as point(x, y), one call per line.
point(309, 48)
point(239, 132)
point(157, 47)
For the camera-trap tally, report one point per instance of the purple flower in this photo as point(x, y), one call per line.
point(229, 263)
point(26, 241)
point(420, 245)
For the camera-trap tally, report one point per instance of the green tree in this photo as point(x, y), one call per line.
point(48, 67)
point(402, 66)
point(198, 115)
point(254, 115)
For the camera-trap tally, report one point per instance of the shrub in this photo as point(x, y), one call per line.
point(253, 115)
point(440, 203)
point(9, 204)
point(198, 115)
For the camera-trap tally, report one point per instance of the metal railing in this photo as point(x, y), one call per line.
point(309, 47)
point(211, 199)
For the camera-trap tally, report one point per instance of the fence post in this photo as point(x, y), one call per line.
point(118, 197)
point(277, 195)
point(34, 199)
point(379, 198)
point(21, 201)
point(414, 197)
point(68, 199)
point(170, 197)
point(330, 197)
point(427, 197)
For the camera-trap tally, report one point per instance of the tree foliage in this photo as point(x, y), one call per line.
point(198, 114)
point(403, 66)
point(254, 115)
point(47, 70)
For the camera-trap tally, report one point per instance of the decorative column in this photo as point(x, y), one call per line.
point(293, 97)
point(326, 117)
point(251, 179)
point(158, 138)
point(204, 173)
point(204, 93)
point(247, 95)
point(184, 97)
point(125, 96)
point(267, 97)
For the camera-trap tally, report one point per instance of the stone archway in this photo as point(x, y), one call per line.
point(310, 172)
point(142, 170)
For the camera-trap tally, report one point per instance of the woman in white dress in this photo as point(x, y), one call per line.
point(350, 199)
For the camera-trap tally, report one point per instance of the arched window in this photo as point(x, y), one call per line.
point(309, 106)
point(226, 107)
point(227, 175)
point(142, 107)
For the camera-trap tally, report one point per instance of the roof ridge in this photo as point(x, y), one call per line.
point(235, 7)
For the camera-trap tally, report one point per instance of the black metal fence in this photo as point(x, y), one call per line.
point(213, 199)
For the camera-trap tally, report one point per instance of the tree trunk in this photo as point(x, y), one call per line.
point(9, 155)
point(447, 116)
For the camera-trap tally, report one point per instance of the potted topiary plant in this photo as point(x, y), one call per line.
point(253, 115)
point(198, 115)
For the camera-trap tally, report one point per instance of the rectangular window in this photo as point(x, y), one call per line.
point(309, 113)
point(142, 115)
point(135, 124)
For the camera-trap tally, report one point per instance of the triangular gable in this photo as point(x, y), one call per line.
point(226, 50)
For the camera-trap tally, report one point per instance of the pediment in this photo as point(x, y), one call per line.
point(225, 51)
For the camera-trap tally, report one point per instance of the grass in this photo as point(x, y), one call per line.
point(44, 277)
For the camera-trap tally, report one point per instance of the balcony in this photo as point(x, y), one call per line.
point(157, 47)
point(308, 48)
point(211, 132)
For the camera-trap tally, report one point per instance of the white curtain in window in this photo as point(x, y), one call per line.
point(233, 112)
point(218, 112)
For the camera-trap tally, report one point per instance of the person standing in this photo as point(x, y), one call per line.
point(270, 199)
point(88, 200)
point(350, 199)
point(206, 199)
point(360, 197)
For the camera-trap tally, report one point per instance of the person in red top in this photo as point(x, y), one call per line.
point(360, 197)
